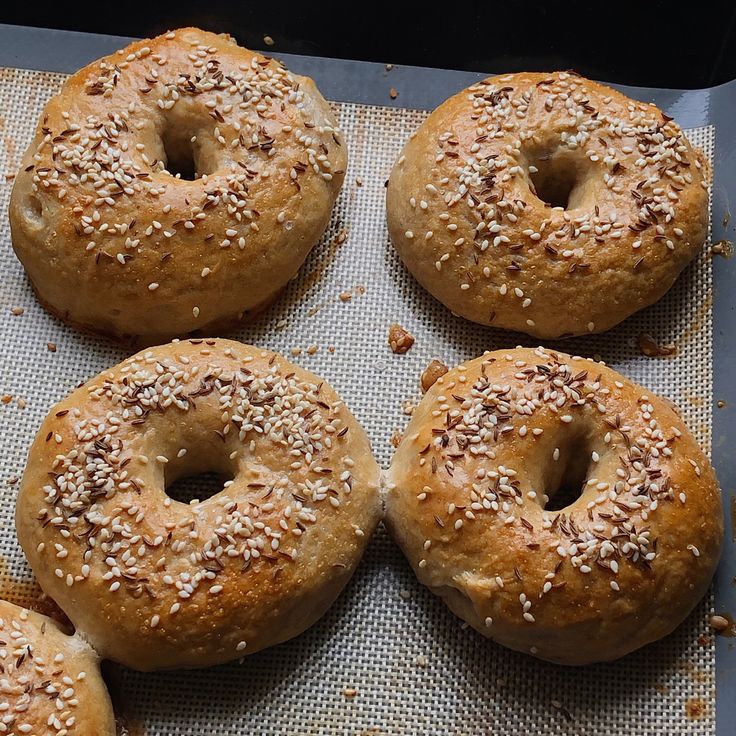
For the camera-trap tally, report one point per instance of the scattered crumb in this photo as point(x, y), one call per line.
point(722, 248)
point(358, 181)
point(652, 349)
point(268, 41)
point(12, 480)
point(6, 398)
point(392, 93)
point(432, 372)
point(726, 218)
point(310, 350)
point(421, 661)
point(719, 623)
point(396, 436)
point(720, 404)
point(405, 594)
point(695, 708)
point(407, 406)
point(17, 311)
point(313, 310)
point(330, 349)
point(9, 177)
point(389, 67)
point(342, 236)
point(348, 294)
point(51, 347)
point(21, 403)
point(349, 692)
point(399, 339)
point(281, 324)
point(703, 640)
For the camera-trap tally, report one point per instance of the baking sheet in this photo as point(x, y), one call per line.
point(413, 667)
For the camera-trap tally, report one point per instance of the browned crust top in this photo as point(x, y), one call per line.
point(467, 210)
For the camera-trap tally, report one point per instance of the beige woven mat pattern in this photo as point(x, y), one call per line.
point(388, 658)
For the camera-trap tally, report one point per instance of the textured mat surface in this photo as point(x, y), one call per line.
point(388, 658)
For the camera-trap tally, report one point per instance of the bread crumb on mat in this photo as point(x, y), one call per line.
point(399, 339)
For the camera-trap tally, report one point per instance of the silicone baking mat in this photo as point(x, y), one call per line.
point(388, 658)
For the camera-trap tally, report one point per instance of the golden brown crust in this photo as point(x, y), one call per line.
point(154, 583)
point(113, 242)
point(619, 567)
point(467, 210)
point(137, 342)
point(51, 682)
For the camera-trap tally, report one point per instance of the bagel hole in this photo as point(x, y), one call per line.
point(564, 496)
point(197, 487)
point(180, 153)
point(568, 478)
point(553, 181)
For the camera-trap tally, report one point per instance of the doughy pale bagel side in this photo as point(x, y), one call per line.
point(51, 682)
point(155, 583)
point(547, 203)
point(618, 567)
point(113, 242)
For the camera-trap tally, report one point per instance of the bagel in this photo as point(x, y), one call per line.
point(547, 203)
point(112, 234)
point(488, 448)
point(51, 683)
point(155, 583)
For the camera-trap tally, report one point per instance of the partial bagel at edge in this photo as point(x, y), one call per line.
point(51, 682)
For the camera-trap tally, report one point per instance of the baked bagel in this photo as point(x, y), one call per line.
point(51, 683)
point(547, 203)
point(155, 583)
point(492, 443)
point(174, 187)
